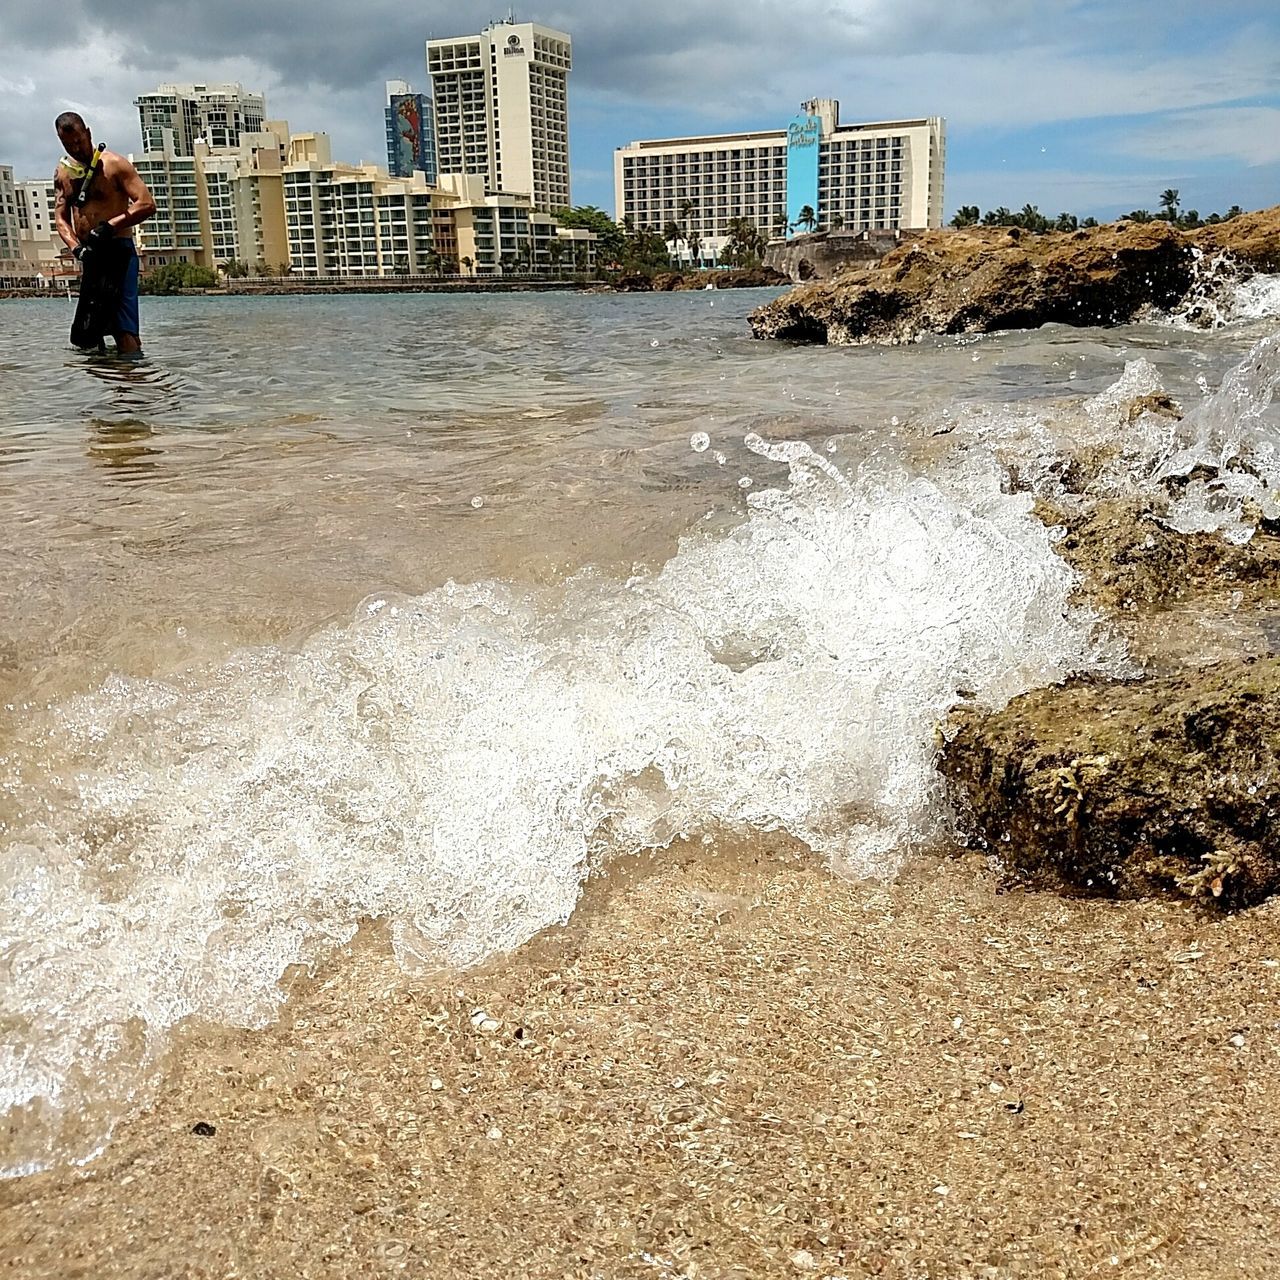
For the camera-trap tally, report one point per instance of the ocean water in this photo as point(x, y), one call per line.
point(423, 609)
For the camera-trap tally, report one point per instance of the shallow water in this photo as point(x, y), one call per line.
point(418, 608)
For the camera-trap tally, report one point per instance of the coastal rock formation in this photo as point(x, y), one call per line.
point(983, 279)
point(1169, 785)
point(1130, 559)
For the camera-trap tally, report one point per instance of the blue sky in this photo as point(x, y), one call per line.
point(1090, 106)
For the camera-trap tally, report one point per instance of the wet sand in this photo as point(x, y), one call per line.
point(724, 1067)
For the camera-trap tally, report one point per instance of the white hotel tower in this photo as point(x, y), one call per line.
point(502, 109)
point(884, 175)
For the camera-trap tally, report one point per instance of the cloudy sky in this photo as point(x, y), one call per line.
point(1091, 106)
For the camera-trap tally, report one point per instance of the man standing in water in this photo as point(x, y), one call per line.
point(100, 199)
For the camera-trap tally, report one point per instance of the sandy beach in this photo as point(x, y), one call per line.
point(738, 1066)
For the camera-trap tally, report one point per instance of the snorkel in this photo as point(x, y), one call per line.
point(81, 197)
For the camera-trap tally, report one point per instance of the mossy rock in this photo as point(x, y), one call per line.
point(1167, 786)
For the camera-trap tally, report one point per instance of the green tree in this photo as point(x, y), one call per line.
point(613, 237)
point(694, 240)
point(1169, 203)
point(837, 222)
point(1137, 215)
point(1067, 222)
point(673, 234)
point(555, 251)
point(469, 265)
point(175, 276)
point(781, 225)
point(806, 218)
point(744, 243)
point(1234, 212)
point(967, 216)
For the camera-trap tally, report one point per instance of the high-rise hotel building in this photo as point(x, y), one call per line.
point(502, 109)
point(411, 132)
point(216, 114)
point(886, 175)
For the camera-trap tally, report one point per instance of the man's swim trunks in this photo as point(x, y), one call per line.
point(108, 301)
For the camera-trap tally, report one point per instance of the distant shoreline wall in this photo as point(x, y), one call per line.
point(820, 255)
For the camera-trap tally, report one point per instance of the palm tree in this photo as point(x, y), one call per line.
point(781, 224)
point(967, 216)
point(837, 222)
point(807, 218)
point(694, 241)
point(555, 251)
point(468, 265)
point(673, 234)
point(1169, 203)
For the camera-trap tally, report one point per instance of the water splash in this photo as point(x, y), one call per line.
point(456, 763)
point(1224, 292)
point(1215, 468)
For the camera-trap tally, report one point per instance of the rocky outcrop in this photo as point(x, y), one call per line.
point(1129, 559)
point(1166, 785)
point(983, 279)
point(1169, 786)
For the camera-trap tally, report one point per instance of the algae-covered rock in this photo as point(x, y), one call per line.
point(1129, 558)
point(1170, 785)
point(982, 279)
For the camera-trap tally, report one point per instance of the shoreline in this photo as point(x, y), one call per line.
point(726, 1064)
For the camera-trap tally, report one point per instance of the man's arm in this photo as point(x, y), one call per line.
point(142, 204)
point(61, 215)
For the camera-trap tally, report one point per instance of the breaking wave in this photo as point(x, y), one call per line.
point(456, 764)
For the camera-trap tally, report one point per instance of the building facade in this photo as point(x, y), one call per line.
point(411, 132)
point(12, 263)
point(217, 114)
point(886, 175)
point(241, 198)
point(174, 232)
point(41, 244)
point(502, 109)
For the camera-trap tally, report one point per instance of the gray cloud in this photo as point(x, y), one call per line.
point(985, 64)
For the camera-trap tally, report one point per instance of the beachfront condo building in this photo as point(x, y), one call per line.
point(359, 221)
point(217, 114)
point(240, 192)
point(815, 172)
point(12, 262)
point(502, 109)
point(411, 132)
point(41, 244)
point(173, 233)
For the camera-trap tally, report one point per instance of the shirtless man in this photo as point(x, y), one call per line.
point(118, 200)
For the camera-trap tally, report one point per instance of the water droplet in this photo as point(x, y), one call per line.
point(745, 482)
point(699, 442)
point(654, 343)
point(721, 459)
point(477, 501)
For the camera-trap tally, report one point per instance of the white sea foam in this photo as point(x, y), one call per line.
point(1214, 468)
point(456, 763)
point(1223, 293)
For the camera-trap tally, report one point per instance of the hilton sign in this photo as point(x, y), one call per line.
point(513, 48)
